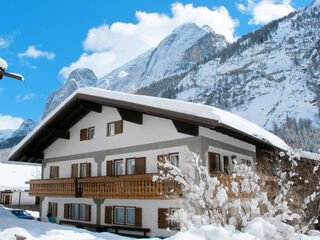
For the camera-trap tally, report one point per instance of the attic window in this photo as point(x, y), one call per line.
point(114, 128)
point(87, 133)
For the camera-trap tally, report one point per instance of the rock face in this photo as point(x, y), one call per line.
point(187, 46)
point(26, 127)
point(78, 78)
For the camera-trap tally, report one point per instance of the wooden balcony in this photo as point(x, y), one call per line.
point(120, 187)
point(61, 187)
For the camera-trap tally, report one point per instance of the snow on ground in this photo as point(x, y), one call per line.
point(14, 176)
point(258, 229)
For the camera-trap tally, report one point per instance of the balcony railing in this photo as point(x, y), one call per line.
point(62, 187)
point(120, 187)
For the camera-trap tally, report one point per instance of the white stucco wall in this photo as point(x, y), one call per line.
point(205, 132)
point(153, 129)
point(60, 210)
point(25, 199)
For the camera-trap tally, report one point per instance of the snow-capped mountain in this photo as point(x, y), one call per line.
point(187, 46)
point(6, 133)
point(78, 78)
point(270, 76)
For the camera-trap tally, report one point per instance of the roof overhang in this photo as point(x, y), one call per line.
point(76, 106)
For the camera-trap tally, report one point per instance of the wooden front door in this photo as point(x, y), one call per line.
point(7, 199)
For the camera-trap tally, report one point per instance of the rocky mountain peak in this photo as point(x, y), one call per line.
point(26, 126)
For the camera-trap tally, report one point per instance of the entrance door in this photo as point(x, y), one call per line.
point(7, 199)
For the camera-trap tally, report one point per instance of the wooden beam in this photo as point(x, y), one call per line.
point(59, 133)
point(33, 154)
point(12, 75)
point(186, 128)
point(130, 115)
point(91, 106)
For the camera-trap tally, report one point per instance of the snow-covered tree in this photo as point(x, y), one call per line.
point(236, 198)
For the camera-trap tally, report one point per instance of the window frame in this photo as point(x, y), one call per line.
point(78, 211)
point(134, 166)
point(108, 129)
point(89, 137)
point(86, 169)
point(115, 167)
point(115, 215)
point(52, 172)
point(172, 155)
point(125, 222)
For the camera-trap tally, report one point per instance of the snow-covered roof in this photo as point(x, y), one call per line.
point(224, 119)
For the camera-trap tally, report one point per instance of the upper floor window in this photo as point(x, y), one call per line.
point(130, 166)
point(114, 128)
point(118, 167)
point(54, 172)
point(131, 162)
point(74, 170)
point(85, 170)
point(87, 133)
point(174, 159)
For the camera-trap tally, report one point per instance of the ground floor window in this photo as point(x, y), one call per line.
point(123, 215)
point(77, 211)
point(119, 215)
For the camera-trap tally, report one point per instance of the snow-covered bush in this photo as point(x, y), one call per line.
point(238, 197)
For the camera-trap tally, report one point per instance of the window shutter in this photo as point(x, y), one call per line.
point(212, 162)
point(88, 173)
point(162, 217)
point(88, 212)
point(66, 210)
point(140, 165)
point(55, 210)
point(138, 217)
point(108, 215)
point(83, 134)
point(57, 172)
point(109, 168)
point(119, 127)
point(74, 170)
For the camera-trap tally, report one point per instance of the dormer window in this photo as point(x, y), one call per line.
point(114, 128)
point(87, 133)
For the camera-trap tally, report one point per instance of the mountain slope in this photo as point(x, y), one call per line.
point(187, 46)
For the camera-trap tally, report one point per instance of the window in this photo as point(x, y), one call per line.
point(118, 167)
point(114, 128)
point(119, 215)
point(123, 215)
point(130, 215)
point(87, 133)
point(54, 172)
point(82, 212)
point(174, 159)
point(163, 221)
point(52, 209)
point(226, 164)
point(173, 225)
point(246, 161)
point(214, 163)
point(90, 133)
point(131, 162)
point(85, 170)
point(77, 211)
point(111, 129)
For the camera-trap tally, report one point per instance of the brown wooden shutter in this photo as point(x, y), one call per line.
point(74, 170)
point(66, 210)
point(109, 168)
point(88, 212)
point(119, 127)
point(212, 162)
point(162, 217)
point(88, 174)
point(108, 215)
point(54, 209)
point(51, 172)
point(56, 172)
point(138, 217)
point(140, 165)
point(84, 134)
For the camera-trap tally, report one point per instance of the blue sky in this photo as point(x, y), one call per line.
point(45, 40)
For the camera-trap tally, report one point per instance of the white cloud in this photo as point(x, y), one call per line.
point(264, 11)
point(8, 122)
point(4, 43)
point(108, 47)
point(32, 52)
point(26, 97)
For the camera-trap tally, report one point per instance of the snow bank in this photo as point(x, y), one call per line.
point(258, 229)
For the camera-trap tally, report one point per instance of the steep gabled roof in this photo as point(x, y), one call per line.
point(184, 114)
